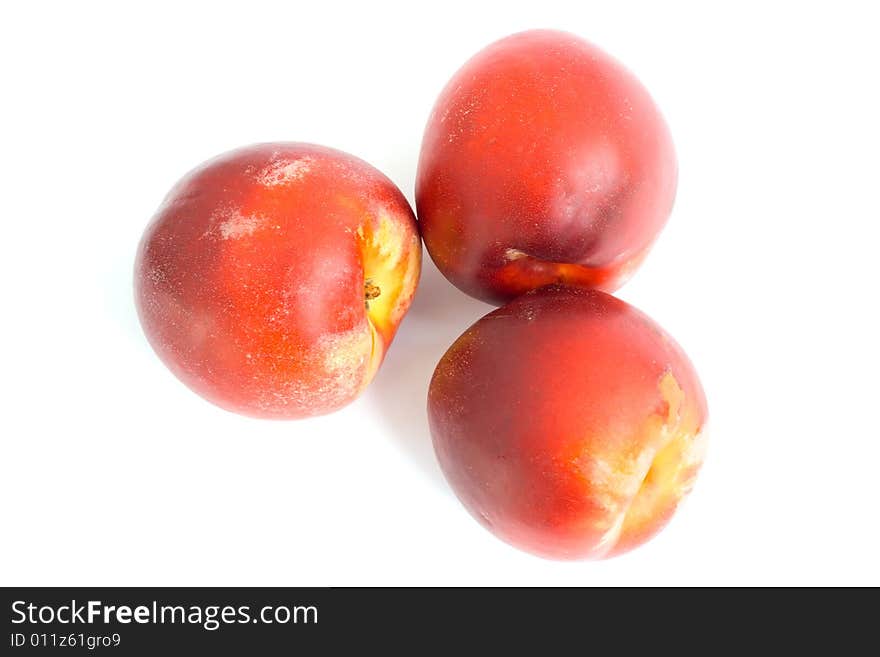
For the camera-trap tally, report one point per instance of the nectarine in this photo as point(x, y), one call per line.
point(273, 278)
point(568, 423)
point(544, 161)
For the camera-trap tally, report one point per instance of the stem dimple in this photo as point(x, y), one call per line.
point(371, 290)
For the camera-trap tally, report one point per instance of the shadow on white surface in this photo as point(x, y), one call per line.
point(439, 314)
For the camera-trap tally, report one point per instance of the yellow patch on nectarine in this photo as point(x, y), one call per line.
point(639, 492)
point(391, 258)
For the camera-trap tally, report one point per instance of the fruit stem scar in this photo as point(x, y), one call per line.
point(371, 290)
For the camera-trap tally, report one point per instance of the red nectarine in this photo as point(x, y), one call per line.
point(568, 423)
point(544, 161)
point(273, 278)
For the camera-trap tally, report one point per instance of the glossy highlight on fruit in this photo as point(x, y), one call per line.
point(568, 423)
point(544, 161)
point(272, 279)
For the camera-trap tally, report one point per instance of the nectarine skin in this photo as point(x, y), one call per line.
point(568, 423)
point(273, 278)
point(544, 161)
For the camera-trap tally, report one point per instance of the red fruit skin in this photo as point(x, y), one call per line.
point(568, 423)
point(544, 161)
point(251, 279)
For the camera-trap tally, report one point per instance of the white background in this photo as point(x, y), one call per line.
point(113, 473)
